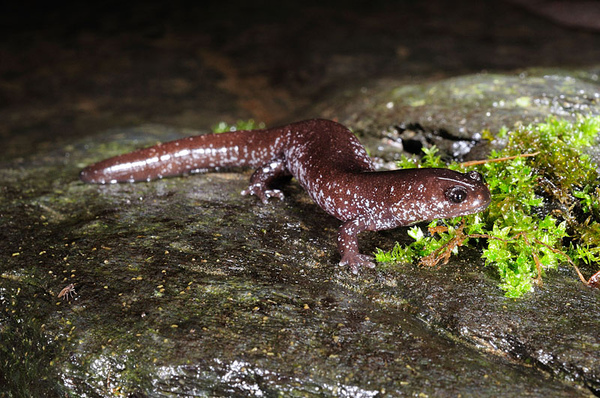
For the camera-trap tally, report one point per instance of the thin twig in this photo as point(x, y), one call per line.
point(476, 162)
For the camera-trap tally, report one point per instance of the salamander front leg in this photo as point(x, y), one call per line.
point(348, 245)
point(263, 177)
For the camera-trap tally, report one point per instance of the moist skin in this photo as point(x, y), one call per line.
point(328, 161)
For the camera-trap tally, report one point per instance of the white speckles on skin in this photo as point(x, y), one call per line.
point(183, 153)
point(187, 154)
point(117, 168)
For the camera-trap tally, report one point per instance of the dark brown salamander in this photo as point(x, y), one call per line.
point(329, 163)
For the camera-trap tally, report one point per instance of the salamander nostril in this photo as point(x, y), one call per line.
point(475, 176)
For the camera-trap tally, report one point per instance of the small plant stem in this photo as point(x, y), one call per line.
point(477, 162)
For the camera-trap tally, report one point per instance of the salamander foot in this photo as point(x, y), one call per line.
point(357, 261)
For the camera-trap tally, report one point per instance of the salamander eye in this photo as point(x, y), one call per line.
point(456, 194)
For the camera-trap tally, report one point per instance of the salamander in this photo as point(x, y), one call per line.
point(328, 161)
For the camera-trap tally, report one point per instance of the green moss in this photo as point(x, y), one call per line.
point(250, 124)
point(430, 159)
point(544, 211)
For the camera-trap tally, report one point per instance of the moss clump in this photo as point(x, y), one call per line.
point(545, 208)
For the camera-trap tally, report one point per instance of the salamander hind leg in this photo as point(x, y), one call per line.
point(262, 179)
point(348, 246)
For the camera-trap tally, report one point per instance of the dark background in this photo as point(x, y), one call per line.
point(68, 70)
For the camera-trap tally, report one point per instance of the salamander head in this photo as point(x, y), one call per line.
point(452, 194)
point(430, 194)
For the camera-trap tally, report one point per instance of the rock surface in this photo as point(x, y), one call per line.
point(184, 287)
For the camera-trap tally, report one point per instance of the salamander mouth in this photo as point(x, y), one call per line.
point(482, 207)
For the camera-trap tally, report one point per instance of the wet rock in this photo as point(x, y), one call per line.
point(574, 14)
point(185, 287)
point(453, 113)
